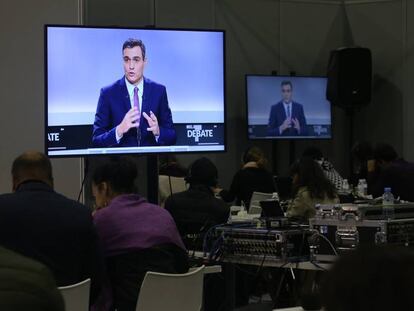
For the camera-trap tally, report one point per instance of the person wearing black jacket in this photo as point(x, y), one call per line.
point(42, 224)
point(389, 170)
point(253, 176)
point(197, 209)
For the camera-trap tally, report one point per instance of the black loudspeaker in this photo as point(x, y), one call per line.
point(349, 77)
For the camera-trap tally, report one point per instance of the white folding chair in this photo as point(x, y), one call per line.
point(172, 292)
point(76, 296)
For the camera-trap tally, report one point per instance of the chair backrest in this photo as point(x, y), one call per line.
point(168, 184)
point(76, 296)
point(172, 292)
point(255, 207)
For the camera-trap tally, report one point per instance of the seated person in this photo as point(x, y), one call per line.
point(197, 209)
point(26, 284)
point(40, 223)
point(136, 236)
point(310, 187)
point(327, 167)
point(388, 170)
point(375, 278)
point(253, 176)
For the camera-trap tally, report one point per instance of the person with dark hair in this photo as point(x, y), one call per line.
point(362, 152)
point(134, 110)
point(197, 209)
point(374, 278)
point(310, 187)
point(253, 176)
point(287, 117)
point(136, 236)
point(42, 224)
point(386, 169)
point(327, 167)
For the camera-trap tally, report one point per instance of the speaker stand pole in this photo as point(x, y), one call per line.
point(351, 113)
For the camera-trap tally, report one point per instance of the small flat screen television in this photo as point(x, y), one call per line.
point(91, 74)
point(287, 107)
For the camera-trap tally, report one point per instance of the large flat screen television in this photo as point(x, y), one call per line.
point(133, 90)
point(287, 107)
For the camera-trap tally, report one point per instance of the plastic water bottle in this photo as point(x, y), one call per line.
point(387, 197)
point(345, 185)
point(388, 203)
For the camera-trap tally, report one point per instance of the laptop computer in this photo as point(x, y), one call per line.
point(271, 208)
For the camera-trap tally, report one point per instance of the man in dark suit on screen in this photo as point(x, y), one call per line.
point(134, 110)
point(287, 117)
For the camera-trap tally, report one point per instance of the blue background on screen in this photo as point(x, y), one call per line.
point(83, 60)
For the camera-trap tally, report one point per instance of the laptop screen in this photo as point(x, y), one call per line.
point(271, 208)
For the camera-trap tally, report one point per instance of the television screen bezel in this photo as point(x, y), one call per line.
point(281, 138)
point(45, 54)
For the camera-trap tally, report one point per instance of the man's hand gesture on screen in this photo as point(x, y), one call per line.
point(130, 120)
point(296, 124)
point(286, 124)
point(152, 123)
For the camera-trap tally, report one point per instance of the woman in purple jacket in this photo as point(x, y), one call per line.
point(136, 236)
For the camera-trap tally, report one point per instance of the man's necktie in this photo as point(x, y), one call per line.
point(288, 111)
point(136, 104)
